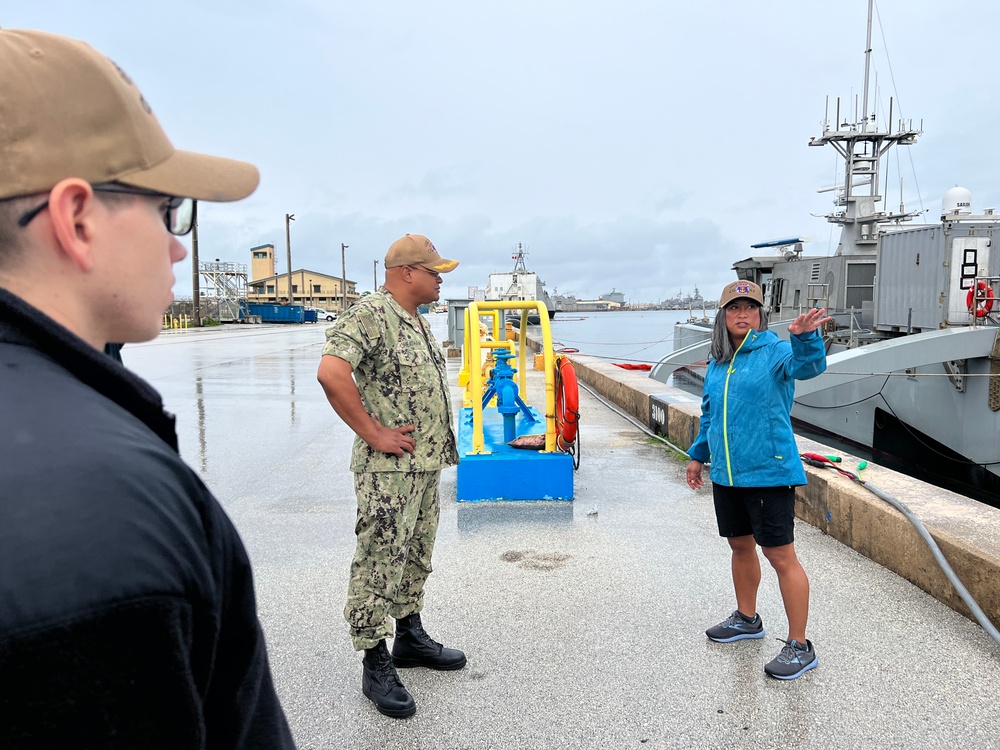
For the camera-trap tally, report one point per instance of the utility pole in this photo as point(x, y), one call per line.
point(375, 266)
point(343, 278)
point(196, 291)
point(288, 246)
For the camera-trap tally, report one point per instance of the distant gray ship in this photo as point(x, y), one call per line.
point(913, 372)
point(520, 284)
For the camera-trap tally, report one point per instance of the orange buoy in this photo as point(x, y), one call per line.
point(980, 299)
point(567, 404)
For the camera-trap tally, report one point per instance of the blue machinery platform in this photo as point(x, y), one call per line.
point(496, 410)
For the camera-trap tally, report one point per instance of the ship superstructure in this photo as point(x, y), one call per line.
point(913, 368)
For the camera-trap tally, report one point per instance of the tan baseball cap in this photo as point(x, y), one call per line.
point(66, 110)
point(417, 250)
point(739, 289)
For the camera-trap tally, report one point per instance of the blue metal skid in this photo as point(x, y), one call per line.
point(507, 473)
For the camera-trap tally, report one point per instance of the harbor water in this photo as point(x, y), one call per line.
point(632, 336)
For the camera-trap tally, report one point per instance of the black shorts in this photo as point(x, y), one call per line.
point(766, 512)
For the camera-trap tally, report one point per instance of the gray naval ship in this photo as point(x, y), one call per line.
point(520, 285)
point(913, 371)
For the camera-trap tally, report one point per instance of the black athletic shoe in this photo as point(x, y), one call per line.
point(736, 627)
point(794, 660)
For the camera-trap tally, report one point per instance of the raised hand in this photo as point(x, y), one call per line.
point(808, 321)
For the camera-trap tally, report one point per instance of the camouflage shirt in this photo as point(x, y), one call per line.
point(402, 377)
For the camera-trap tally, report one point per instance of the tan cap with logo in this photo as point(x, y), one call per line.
point(739, 289)
point(66, 110)
point(417, 250)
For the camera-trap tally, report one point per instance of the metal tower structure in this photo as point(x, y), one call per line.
point(223, 288)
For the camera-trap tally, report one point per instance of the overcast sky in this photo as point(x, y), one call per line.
point(636, 145)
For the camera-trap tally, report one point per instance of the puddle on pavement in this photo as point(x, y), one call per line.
point(532, 560)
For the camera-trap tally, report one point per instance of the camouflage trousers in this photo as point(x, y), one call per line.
point(396, 526)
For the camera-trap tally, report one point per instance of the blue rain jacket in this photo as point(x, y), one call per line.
point(746, 427)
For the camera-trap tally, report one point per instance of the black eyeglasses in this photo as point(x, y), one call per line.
point(435, 274)
point(178, 214)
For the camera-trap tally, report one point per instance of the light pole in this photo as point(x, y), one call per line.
point(343, 278)
point(375, 276)
point(195, 287)
point(288, 246)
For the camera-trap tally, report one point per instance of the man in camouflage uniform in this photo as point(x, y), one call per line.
point(399, 406)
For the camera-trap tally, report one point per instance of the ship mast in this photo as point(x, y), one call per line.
point(862, 144)
point(868, 62)
point(518, 258)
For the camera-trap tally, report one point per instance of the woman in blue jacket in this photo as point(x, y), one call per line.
point(746, 432)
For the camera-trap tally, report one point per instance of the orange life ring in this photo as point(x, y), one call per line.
point(980, 299)
point(567, 403)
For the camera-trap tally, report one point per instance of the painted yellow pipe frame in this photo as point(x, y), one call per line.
point(494, 342)
point(463, 376)
point(473, 376)
point(489, 342)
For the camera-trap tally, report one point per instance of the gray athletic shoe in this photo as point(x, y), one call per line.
point(735, 628)
point(794, 660)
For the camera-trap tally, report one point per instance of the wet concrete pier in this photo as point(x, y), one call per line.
point(584, 622)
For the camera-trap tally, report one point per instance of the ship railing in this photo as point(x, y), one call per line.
point(855, 328)
point(818, 295)
point(986, 297)
point(851, 328)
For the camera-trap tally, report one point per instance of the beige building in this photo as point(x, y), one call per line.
point(310, 288)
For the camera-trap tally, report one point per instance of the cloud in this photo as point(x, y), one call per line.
point(646, 258)
point(641, 146)
point(436, 185)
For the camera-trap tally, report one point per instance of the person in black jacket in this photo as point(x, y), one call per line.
point(127, 609)
point(114, 351)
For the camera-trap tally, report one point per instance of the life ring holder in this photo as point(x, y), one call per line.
point(980, 299)
point(567, 409)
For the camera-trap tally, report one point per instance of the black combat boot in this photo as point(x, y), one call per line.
point(414, 648)
point(382, 685)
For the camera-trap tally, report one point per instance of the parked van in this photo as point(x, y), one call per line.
point(322, 314)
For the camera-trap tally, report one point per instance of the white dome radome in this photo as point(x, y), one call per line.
point(957, 200)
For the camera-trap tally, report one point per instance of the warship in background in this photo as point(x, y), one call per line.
point(913, 366)
point(520, 284)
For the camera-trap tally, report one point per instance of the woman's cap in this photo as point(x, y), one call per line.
point(739, 289)
point(66, 110)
